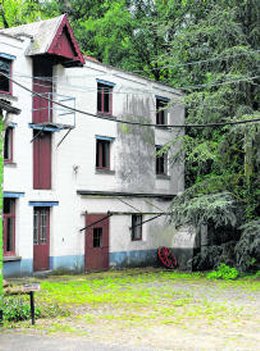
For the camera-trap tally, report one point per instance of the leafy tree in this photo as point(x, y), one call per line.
point(219, 39)
point(16, 12)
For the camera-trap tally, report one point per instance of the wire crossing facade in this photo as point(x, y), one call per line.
point(82, 194)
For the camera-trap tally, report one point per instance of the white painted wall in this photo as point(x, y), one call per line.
point(73, 162)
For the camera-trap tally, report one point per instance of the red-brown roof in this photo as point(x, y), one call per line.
point(52, 36)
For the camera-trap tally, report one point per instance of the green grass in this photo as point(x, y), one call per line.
point(137, 298)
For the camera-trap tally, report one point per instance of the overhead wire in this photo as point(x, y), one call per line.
point(172, 100)
point(193, 63)
point(133, 123)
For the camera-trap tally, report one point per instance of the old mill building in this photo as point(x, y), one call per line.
point(82, 191)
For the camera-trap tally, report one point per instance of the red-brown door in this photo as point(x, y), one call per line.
point(42, 160)
point(97, 242)
point(41, 238)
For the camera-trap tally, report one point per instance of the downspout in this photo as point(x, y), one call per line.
point(1, 215)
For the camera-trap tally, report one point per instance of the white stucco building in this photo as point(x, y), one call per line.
point(82, 190)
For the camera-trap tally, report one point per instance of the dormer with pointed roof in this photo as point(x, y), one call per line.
point(53, 37)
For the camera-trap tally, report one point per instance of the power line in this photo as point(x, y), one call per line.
point(149, 92)
point(171, 101)
point(143, 93)
point(193, 63)
point(116, 120)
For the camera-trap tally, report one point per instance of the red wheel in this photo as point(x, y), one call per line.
point(166, 257)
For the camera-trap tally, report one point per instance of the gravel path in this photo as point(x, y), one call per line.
point(205, 315)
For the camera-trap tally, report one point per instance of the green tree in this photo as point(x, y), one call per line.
point(16, 12)
point(214, 57)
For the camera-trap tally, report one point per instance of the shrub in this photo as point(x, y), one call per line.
point(247, 249)
point(224, 272)
point(17, 309)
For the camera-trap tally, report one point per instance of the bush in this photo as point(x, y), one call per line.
point(17, 309)
point(247, 249)
point(224, 272)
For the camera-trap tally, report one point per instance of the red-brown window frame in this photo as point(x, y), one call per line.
point(137, 227)
point(161, 162)
point(100, 154)
point(102, 91)
point(10, 86)
point(8, 144)
point(7, 216)
point(161, 111)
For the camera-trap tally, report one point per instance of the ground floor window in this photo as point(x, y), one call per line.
point(9, 226)
point(136, 229)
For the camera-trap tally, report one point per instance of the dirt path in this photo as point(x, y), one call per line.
point(227, 320)
point(188, 315)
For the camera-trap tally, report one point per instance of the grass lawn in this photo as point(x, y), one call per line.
point(151, 307)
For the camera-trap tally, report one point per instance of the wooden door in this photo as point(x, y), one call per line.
point(97, 242)
point(42, 160)
point(41, 238)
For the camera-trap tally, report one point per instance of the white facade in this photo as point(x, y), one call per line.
point(130, 186)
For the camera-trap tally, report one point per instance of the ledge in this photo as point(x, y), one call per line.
point(8, 97)
point(106, 116)
point(124, 193)
point(105, 171)
point(165, 127)
point(10, 164)
point(12, 258)
point(163, 177)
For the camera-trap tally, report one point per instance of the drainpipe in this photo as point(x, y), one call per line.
point(1, 215)
point(204, 237)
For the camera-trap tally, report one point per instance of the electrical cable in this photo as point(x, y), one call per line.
point(117, 120)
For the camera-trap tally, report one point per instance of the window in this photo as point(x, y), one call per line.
point(161, 111)
point(41, 225)
point(103, 154)
point(104, 99)
point(8, 145)
point(5, 83)
point(97, 237)
point(9, 226)
point(161, 162)
point(136, 227)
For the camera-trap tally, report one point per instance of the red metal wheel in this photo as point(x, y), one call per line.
point(166, 257)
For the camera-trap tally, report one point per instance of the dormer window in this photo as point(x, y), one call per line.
point(5, 69)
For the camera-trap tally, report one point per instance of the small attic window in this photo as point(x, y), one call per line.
point(6, 70)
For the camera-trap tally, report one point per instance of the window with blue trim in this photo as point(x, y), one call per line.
point(104, 98)
point(161, 161)
point(9, 226)
point(8, 145)
point(161, 111)
point(103, 149)
point(6, 69)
